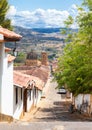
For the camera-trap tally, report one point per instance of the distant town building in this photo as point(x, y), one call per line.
point(31, 59)
point(44, 59)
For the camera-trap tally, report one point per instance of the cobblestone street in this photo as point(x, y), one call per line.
point(53, 107)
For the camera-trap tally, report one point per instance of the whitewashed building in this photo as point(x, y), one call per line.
point(19, 92)
point(27, 93)
point(6, 74)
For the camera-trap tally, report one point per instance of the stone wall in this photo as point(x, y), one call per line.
point(83, 103)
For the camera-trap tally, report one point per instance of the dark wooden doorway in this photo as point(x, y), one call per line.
point(25, 101)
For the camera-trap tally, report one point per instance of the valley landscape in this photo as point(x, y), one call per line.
point(40, 39)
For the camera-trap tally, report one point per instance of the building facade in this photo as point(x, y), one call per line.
point(20, 90)
point(6, 74)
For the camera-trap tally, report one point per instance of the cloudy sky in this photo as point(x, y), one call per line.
point(41, 13)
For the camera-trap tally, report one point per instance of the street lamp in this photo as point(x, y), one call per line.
point(15, 52)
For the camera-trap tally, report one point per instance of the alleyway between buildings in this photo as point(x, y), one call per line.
point(51, 114)
point(52, 107)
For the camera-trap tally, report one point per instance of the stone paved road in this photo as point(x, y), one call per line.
point(46, 126)
point(54, 107)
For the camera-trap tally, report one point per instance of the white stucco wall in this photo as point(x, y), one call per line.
point(78, 100)
point(7, 87)
point(17, 108)
point(7, 93)
point(82, 98)
point(84, 102)
point(1, 69)
point(34, 98)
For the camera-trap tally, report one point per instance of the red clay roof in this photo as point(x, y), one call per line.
point(23, 80)
point(9, 35)
point(7, 49)
point(37, 74)
point(20, 79)
point(11, 58)
point(41, 72)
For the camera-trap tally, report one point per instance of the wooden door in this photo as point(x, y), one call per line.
point(25, 101)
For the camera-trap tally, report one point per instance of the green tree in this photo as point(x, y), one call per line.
point(20, 58)
point(4, 22)
point(75, 65)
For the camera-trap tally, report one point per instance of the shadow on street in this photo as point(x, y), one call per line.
point(59, 112)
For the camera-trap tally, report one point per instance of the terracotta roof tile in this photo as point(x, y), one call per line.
point(11, 58)
point(41, 72)
point(21, 79)
point(9, 35)
point(38, 74)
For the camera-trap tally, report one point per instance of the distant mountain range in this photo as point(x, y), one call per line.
point(38, 36)
point(40, 30)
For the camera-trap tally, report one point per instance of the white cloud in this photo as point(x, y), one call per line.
point(38, 17)
point(12, 11)
point(74, 6)
point(25, 14)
